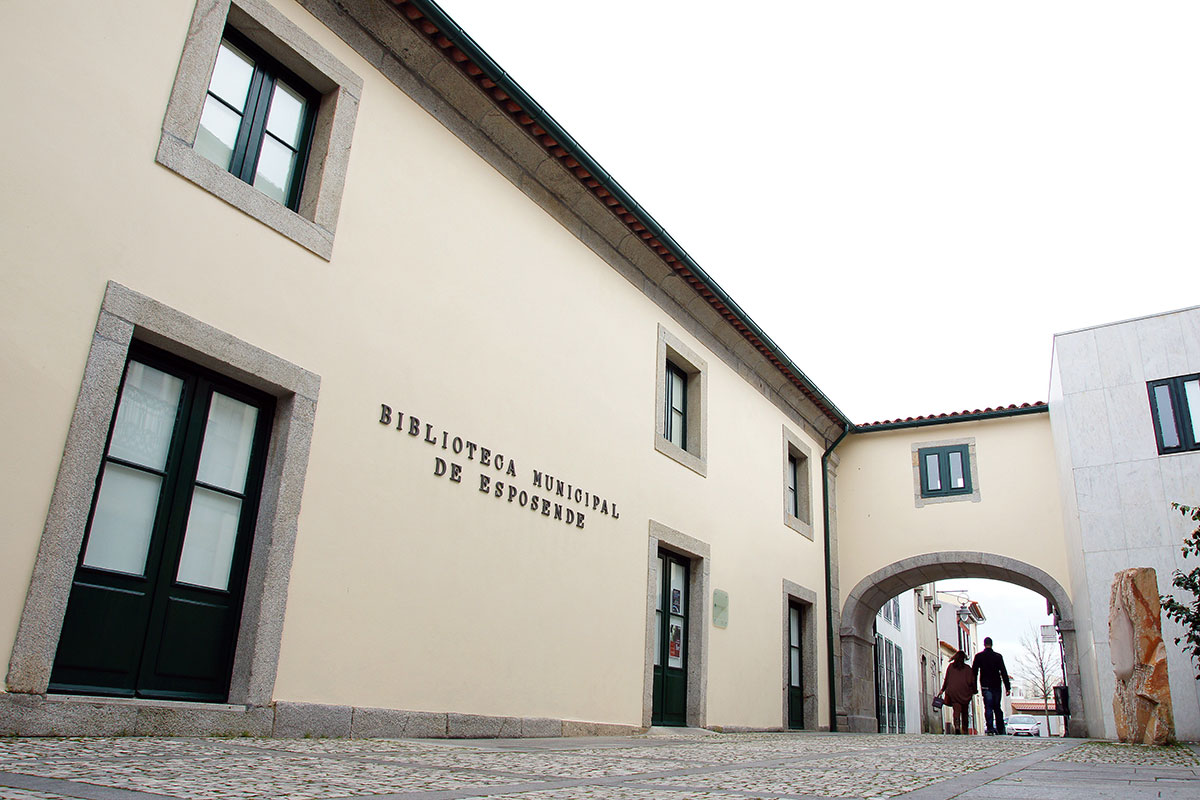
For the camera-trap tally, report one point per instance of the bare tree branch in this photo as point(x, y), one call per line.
point(1039, 667)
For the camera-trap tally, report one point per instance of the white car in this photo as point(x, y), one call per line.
point(1023, 725)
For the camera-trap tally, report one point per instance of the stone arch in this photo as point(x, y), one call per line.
point(857, 706)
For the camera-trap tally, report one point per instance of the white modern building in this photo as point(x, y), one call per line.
point(906, 665)
point(1125, 414)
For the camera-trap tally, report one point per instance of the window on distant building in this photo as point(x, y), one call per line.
point(889, 685)
point(1175, 407)
point(260, 108)
point(679, 409)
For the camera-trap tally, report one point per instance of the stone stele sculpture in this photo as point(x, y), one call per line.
point(1142, 700)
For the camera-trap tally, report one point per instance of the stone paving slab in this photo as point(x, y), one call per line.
point(794, 766)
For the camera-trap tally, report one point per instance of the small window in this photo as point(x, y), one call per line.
point(1175, 407)
point(679, 400)
point(797, 494)
point(945, 471)
point(257, 120)
point(260, 109)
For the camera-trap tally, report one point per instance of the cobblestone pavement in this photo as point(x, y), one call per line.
point(670, 767)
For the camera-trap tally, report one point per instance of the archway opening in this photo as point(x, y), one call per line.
point(859, 696)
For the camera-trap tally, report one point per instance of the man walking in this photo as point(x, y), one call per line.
point(989, 671)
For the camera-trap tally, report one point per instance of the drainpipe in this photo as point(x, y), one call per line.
point(829, 578)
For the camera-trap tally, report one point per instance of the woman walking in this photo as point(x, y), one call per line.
point(959, 688)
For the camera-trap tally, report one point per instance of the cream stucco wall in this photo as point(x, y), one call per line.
point(450, 296)
point(1018, 514)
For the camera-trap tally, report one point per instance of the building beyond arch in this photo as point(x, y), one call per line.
point(856, 707)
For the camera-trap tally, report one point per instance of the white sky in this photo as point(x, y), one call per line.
point(910, 198)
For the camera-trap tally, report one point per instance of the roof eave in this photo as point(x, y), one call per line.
point(429, 19)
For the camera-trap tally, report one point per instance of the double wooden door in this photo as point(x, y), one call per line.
point(157, 594)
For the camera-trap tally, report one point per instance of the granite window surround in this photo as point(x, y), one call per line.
point(795, 450)
point(806, 599)
point(314, 223)
point(126, 316)
point(671, 350)
point(972, 471)
point(698, 553)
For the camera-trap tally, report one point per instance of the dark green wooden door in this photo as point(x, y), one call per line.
point(795, 668)
point(157, 594)
point(670, 652)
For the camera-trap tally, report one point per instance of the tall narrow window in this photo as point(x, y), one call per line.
point(795, 668)
point(680, 392)
point(793, 498)
point(669, 704)
point(1175, 407)
point(797, 493)
point(891, 686)
point(880, 684)
point(676, 406)
point(257, 120)
point(945, 471)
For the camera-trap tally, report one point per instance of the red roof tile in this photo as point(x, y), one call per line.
point(1032, 706)
point(956, 415)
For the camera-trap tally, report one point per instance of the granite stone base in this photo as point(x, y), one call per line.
point(856, 724)
point(42, 715)
point(69, 715)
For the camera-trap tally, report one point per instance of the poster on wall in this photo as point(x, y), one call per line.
point(675, 646)
point(676, 601)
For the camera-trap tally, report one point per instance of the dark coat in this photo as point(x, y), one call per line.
point(989, 666)
point(959, 685)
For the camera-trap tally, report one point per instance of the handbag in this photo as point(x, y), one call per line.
point(938, 702)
